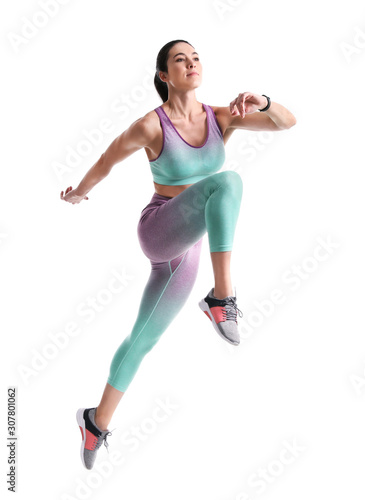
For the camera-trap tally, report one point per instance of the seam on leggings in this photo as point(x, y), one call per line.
point(182, 260)
point(163, 291)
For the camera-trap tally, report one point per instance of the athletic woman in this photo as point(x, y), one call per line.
point(184, 141)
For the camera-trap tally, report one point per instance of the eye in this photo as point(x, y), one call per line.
point(181, 59)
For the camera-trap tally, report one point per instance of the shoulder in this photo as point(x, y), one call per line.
point(223, 115)
point(149, 119)
point(217, 109)
point(222, 111)
point(147, 125)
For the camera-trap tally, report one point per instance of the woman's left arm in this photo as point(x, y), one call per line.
point(243, 113)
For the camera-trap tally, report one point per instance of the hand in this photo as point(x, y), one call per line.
point(72, 196)
point(247, 103)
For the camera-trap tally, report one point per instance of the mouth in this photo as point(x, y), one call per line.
point(192, 74)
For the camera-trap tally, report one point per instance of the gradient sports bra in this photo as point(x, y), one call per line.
point(181, 163)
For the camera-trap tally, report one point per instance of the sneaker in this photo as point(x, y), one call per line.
point(223, 314)
point(92, 436)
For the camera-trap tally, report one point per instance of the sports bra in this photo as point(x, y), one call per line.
point(181, 163)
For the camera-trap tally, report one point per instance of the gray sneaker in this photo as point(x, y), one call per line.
point(92, 436)
point(223, 314)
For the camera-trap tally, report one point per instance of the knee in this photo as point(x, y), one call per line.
point(232, 180)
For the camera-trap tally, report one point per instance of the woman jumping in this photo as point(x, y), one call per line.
point(184, 141)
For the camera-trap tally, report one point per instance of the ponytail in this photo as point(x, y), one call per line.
point(161, 88)
point(161, 65)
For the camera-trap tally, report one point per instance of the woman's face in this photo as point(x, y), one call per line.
point(183, 60)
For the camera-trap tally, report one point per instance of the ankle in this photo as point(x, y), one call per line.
point(100, 421)
point(222, 293)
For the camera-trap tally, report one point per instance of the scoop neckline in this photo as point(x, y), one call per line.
point(208, 131)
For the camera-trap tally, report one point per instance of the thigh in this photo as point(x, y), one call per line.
point(172, 228)
point(168, 287)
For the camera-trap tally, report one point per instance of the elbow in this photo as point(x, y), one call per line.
point(292, 120)
point(290, 123)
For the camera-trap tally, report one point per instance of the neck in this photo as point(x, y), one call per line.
point(183, 105)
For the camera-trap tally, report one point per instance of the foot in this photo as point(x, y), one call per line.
point(223, 314)
point(92, 436)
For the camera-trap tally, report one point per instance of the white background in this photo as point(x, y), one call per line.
point(298, 375)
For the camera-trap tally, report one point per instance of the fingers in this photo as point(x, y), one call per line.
point(62, 196)
point(73, 198)
point(238, 110)
point(67, 191)
point(242, 105)
point(237, 106)
point(233, 108)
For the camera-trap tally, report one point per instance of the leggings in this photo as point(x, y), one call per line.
point(170, 232)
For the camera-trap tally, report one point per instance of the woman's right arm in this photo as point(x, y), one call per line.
point(137, 136)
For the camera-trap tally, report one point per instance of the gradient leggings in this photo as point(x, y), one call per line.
point(170, 232)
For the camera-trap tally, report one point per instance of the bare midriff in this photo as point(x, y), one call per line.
point(169, 191)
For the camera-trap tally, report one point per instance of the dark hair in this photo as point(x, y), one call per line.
point(161, 65)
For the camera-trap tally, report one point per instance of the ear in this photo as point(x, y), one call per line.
point(162, 76)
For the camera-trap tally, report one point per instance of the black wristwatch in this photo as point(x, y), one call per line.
point(268, 103)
